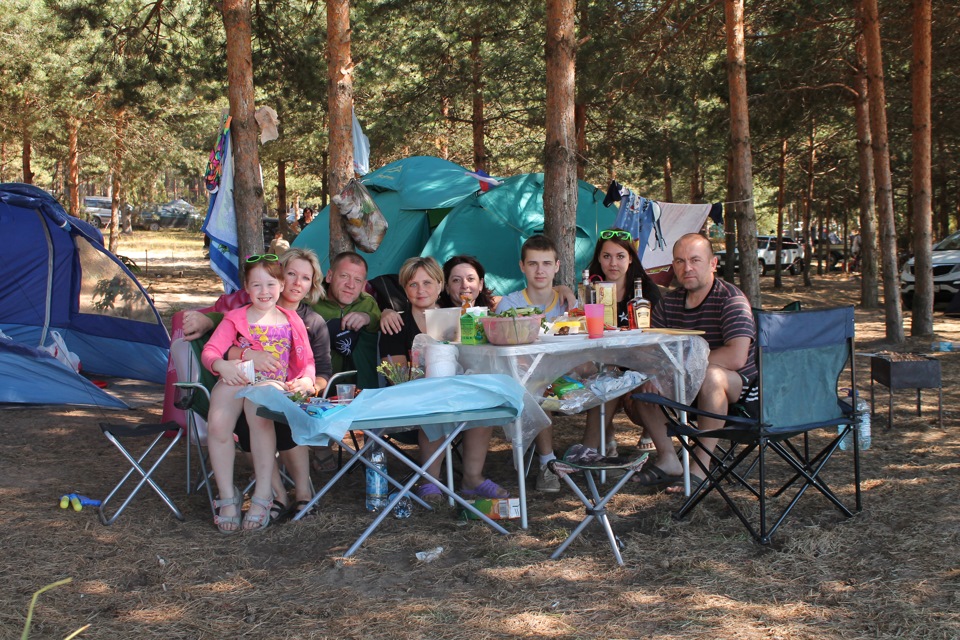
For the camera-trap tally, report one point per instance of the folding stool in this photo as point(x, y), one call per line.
point(595, 506)
point(115, 432)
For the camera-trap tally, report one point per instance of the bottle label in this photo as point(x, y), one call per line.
point(641, 317)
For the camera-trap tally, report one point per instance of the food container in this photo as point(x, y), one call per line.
point(509, 331)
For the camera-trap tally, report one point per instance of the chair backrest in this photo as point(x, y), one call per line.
point(801, 356)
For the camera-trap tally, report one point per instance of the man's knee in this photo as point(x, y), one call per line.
point(720, 380)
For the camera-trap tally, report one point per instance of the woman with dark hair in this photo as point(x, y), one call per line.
point(616, 260)
point(464, 278)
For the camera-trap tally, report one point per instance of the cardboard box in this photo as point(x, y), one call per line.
point(494, 508)
point(471, 330)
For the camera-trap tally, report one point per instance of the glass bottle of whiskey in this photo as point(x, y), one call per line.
point(638, 309)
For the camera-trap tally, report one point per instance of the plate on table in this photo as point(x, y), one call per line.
point(546, 337)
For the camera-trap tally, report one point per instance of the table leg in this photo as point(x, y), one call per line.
point(521, 471)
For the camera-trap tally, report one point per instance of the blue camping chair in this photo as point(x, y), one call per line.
point(800, 358)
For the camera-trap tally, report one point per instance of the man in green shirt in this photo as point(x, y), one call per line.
point(353, 317)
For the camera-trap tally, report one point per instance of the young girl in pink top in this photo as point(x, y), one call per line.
point(259, 326)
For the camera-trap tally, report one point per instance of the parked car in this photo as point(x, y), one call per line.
point(791, 255)
point(946, 272)
point(97, 209)
point(177, 213)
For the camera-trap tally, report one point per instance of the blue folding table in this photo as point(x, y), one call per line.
point(442, 407)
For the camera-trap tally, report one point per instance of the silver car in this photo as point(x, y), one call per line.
point(946, 271)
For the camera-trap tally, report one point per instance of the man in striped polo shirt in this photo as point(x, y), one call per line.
point(723, 313)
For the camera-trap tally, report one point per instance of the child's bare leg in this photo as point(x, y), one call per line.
point(297, 462)
point(591, 434)
point(263, 447)
point(476, 443)
point(225, 408)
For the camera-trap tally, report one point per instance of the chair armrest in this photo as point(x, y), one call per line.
point(656, 398)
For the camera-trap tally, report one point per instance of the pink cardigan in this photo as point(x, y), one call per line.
point(234, 324)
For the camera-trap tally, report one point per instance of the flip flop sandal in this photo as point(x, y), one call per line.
point(323, 462)
point(653, 476)
point(219, 520)
point(429, 492)
point(262, 520)
point(299, 506)
point(278, 511)
point(677, 487)
point(486, 489)
point(646, 444)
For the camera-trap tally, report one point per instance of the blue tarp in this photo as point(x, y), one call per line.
point(58, 276)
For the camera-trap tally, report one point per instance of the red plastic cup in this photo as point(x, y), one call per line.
point(594, 316)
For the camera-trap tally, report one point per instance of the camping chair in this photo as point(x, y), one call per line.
point(592, 466)
point(800, 358)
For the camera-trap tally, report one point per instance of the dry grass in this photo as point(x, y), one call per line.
point(892, 571)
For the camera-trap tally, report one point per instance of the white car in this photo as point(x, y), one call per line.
point(98, 209)
point(946, 271)
point(791, 255)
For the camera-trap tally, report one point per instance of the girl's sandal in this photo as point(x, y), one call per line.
point(262, 520)
point(234, 521)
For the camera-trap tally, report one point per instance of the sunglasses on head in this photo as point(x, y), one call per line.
point(266, 257)
point(610, 233)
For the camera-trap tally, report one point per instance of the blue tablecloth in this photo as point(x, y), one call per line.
point(417, 398)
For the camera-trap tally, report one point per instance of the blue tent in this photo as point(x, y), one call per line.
point(413, 194)
point(58, 276)
point(492, 226)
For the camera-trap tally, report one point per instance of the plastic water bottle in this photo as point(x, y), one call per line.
point(404, 507)
point(377, 485)
point(943, 345)
point(861, 421)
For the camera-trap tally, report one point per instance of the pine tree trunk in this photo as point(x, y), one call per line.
point(116, 187)
point(247, 188)
point(580, 124)
point(560, 156)
point(27, 152)
point(922, 202)
point(73, 165)
point(283, 225)
point(479, 146)
point(667, 180)
point(869, 283)
point(742, 154)
point(808, 232)
point(339, 107)
point(781, 199)
point(884, 183)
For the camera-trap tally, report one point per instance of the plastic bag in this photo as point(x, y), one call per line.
point(59, 351)
point(362, 217)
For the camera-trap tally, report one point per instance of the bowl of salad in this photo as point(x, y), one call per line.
point(516, 326)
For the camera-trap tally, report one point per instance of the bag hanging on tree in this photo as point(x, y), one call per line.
point(364, 220)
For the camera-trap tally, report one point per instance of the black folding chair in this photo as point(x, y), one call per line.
point(800, 358)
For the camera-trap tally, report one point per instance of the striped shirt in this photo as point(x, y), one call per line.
point(724, 314)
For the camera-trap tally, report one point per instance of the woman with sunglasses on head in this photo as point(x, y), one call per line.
point(261, 326)
point(615, 260)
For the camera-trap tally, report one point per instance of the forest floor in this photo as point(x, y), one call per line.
point(891, 571)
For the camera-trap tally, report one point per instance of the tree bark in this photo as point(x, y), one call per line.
point(247, 187)
point(283, 225)
point(922, 202)
point(667, 179)
point(116, 187)
point(339, 106)
point(560, 161)
point(27, 151)
point(808, 205)
point(580, 123)
point(869, 281)
point(742, 154)
point(73, 165)
point(476, 65)
point(781, 200)
point(884, 184)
